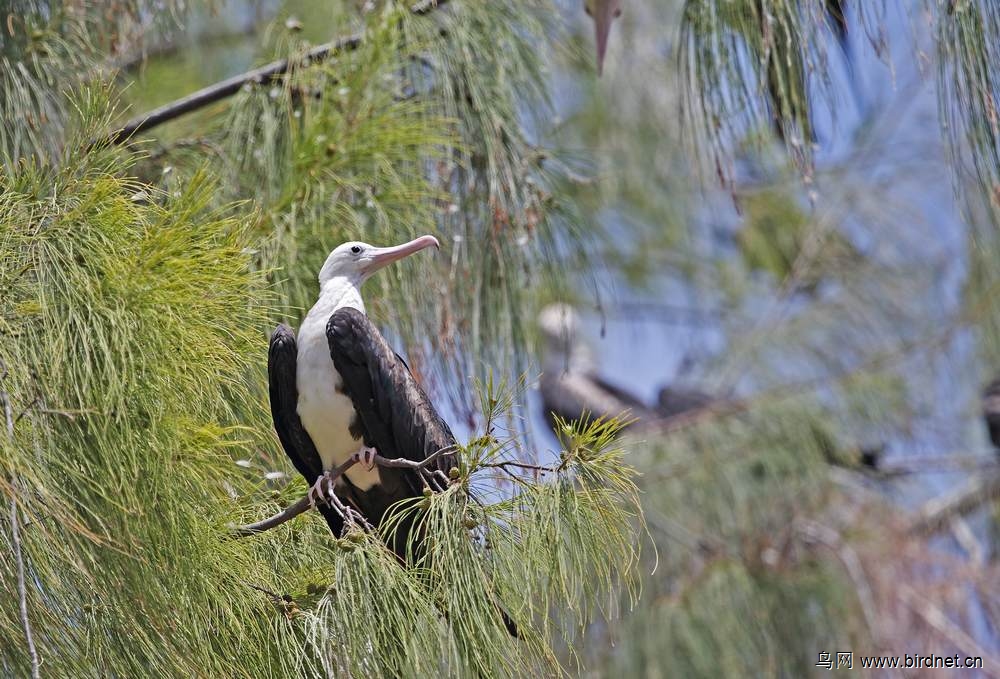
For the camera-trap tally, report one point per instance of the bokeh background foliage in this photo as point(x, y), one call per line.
point(129, 319)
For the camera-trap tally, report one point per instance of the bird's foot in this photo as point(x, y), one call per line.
point(321, 492)
point(366, 456)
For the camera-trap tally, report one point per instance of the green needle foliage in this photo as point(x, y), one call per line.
point(128, 324)
point(753, 64)
point(138, 284)
point(133, 357)
point(740, 590)
point(750, 64)
point(967, 68)
point(130, 332)
point(47, 47)
point(968, 38)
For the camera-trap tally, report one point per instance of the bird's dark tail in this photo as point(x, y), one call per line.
point(408, 534)
point(399, 548)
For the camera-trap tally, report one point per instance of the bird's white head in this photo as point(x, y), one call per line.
point(560, 325)
point(354, 262)
point(564, 349)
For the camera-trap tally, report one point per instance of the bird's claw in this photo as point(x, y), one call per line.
point(321, 491)
point(366, 456)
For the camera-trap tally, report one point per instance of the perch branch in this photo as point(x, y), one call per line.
point(230, 86)
point(287, 514)
point(403, 463)
point(348, 514)
point(427, 474)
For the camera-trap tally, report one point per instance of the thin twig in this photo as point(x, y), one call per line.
point(22, 592)
point(519, 465)
point(938, 512)
point(273, 595)
point(15, 534)
point(283, 601)
point(27, 409)
point(512, 475)
point(402, 462)
point(939, 621)
point(230, 86)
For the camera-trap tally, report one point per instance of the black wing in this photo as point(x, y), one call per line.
point(636, 405)
point(396, 417)
point(677, 400)
point(281, 359)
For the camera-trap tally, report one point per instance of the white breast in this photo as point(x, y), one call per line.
point(325, 412)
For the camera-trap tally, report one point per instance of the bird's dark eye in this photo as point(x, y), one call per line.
point(356, 249)
point(618, 12)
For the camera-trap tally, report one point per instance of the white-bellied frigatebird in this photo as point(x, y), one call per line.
point(339, 391)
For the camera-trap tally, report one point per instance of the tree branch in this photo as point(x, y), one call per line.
point(403, 463)
point(222, 90)
point(230, 86)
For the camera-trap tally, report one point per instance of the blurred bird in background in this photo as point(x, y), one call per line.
point(572, 388)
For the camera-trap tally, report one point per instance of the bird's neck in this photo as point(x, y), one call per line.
point(576, 357)
point(337, 293)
